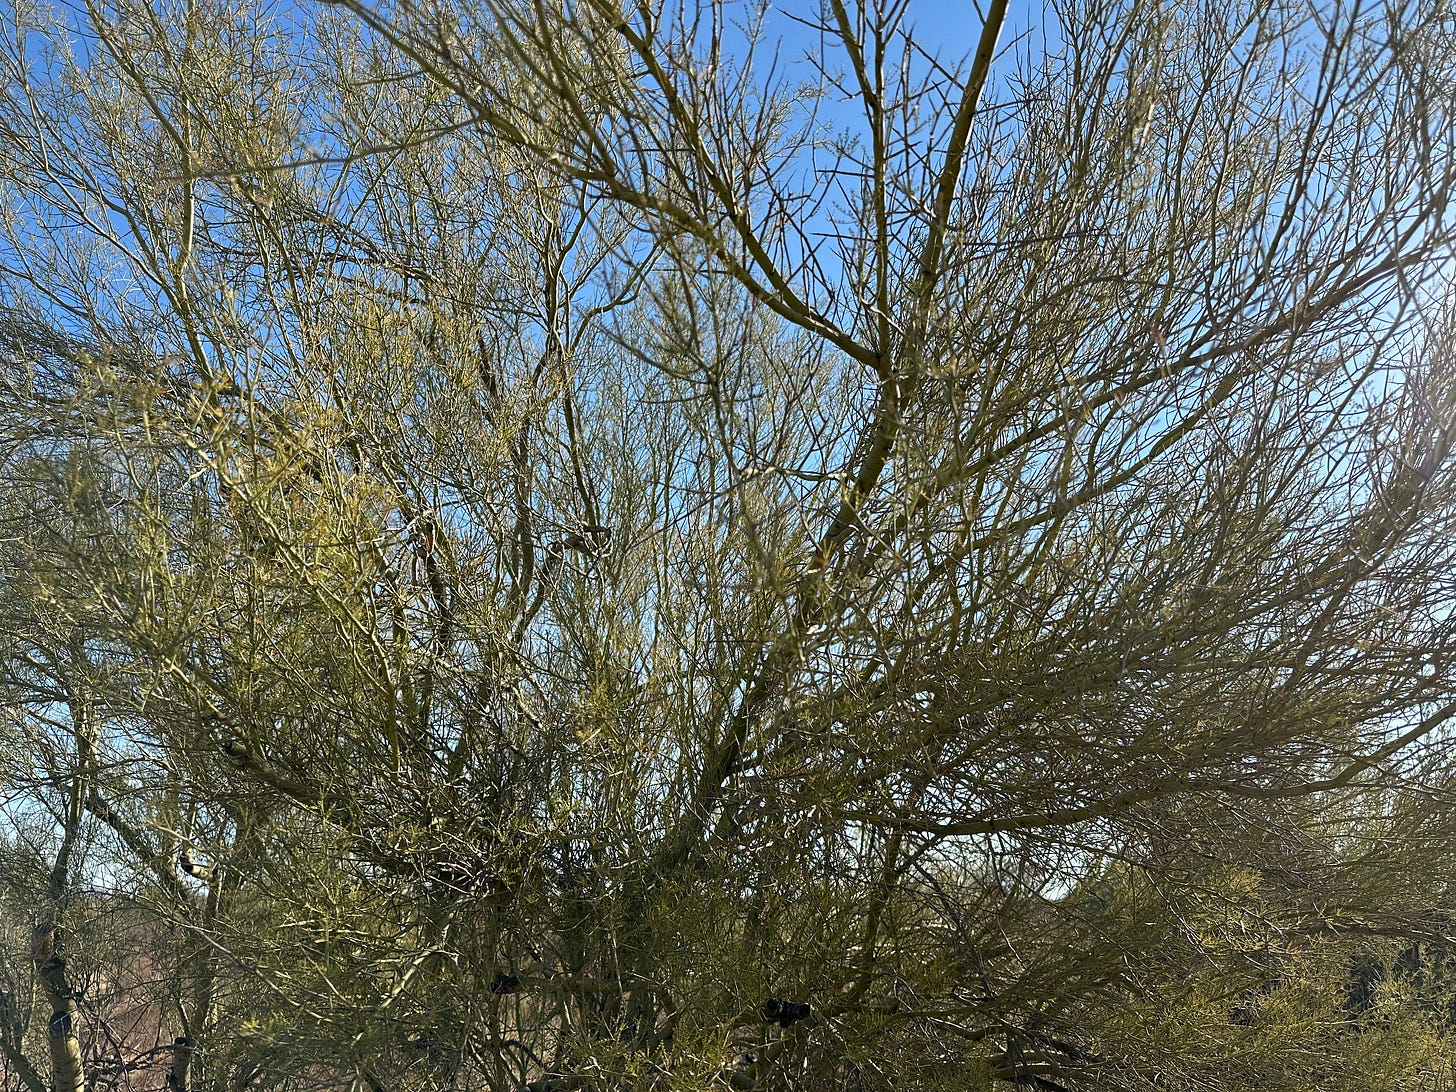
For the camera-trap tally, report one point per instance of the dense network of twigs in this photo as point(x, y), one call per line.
point(593, 546)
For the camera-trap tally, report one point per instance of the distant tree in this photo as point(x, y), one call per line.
point(568, 547)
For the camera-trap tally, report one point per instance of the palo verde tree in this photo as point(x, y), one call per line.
point(582, 546)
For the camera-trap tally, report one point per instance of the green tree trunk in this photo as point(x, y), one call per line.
point(67, 1073)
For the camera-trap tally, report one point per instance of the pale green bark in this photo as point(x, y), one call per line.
point(67, 1072)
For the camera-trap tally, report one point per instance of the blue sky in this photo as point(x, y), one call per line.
point(951, 25)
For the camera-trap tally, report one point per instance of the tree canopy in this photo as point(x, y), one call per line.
point(590, 546)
